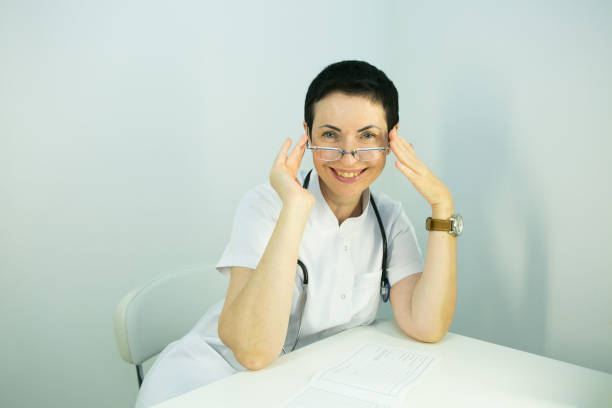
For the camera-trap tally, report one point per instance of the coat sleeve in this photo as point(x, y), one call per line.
point(254, 222)
point(404, 255)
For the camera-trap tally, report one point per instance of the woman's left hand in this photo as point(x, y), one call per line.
point(426, 183)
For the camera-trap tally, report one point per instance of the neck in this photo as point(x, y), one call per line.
point(343, 207)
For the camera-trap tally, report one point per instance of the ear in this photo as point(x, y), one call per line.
point(306, 128)
point(393, 129)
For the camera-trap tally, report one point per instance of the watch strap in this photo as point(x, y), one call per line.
point(432, 224)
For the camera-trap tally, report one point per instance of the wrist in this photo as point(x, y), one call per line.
point(299, 205)
point(442, 211)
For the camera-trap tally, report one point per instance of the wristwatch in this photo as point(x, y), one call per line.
point(454, 225)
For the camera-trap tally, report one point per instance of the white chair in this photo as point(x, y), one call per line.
point(150, 317)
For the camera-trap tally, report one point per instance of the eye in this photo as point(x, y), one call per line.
point(328, 135)
point(369, 135)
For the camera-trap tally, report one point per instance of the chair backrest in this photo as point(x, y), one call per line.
point(150, 317)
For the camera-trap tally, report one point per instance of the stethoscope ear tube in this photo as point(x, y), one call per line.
point(304, 272)
point(302, 303)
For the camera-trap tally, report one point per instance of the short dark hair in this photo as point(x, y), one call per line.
point(353, 78)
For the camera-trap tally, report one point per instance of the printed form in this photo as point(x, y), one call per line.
point(375, 376)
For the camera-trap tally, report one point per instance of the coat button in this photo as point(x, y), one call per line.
point(342, 296)
point(346, 247)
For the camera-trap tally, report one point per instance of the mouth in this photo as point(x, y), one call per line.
point(347, 175)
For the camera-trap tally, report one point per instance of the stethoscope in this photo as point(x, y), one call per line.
point(384, 282)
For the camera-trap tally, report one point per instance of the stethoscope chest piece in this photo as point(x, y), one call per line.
point(385, 291)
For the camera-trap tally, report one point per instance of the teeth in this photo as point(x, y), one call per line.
point(347, 175)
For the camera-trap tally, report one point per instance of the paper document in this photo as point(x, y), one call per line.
point(375, 376)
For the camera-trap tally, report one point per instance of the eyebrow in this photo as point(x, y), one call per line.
point(358, 130)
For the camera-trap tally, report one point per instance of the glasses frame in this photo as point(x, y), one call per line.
point(343, 152)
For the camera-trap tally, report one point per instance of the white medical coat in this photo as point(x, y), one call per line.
point(344, 271)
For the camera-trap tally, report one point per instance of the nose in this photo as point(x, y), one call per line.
point(347, 158)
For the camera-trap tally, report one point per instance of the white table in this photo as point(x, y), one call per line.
point(469, 372)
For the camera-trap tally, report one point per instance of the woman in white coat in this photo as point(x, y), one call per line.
point(327, 219)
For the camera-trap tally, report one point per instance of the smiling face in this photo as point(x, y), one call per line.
point(348, 122)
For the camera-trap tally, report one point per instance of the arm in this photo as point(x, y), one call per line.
point(255, 316)
point(424, 303)
point(254, 324)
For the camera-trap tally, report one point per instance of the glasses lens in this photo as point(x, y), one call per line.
point(327, 155)
point(368, 155)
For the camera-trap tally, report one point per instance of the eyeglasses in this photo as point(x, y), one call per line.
point(334, 153)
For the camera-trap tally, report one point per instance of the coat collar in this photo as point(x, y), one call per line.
point(323, 217)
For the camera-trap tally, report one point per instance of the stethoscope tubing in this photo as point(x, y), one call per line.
point(384, 281)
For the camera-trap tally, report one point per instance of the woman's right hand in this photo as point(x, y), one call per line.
point(283, 176)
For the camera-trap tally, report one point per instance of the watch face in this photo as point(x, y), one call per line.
point(457, 224)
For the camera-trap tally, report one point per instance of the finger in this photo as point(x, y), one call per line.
point(398, 141)
point(405, 170)
point(403, 142)
point(405, 151)
point(410, 147)
point(407, 145)
point(410, 161)
point(295, 157)
point(401, 150)
point(282, 155)
point(298, 149)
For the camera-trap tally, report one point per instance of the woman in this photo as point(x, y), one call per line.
point(326, 220)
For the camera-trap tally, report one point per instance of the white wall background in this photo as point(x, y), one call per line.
point(129, 131)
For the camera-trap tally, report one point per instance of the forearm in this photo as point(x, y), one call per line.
point(254, 326)
point(435, 294)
